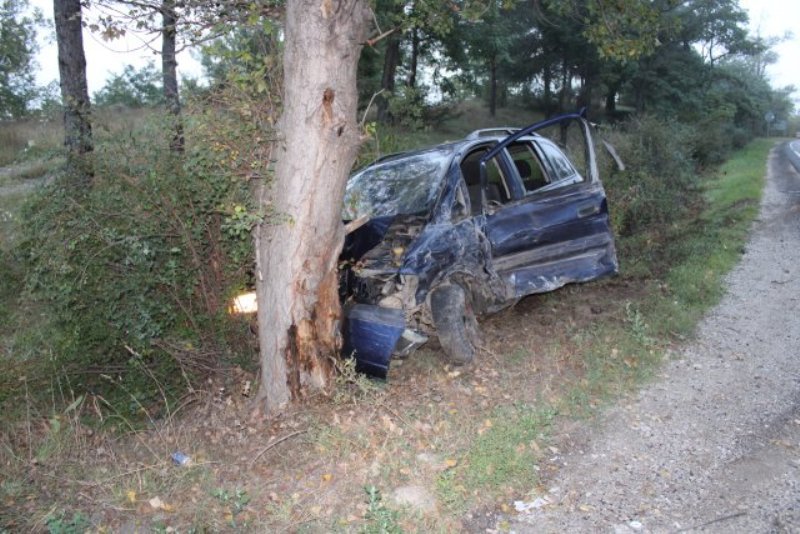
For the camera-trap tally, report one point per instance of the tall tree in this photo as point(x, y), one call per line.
point(17, 51)
point(297, 251)
point(74, 92)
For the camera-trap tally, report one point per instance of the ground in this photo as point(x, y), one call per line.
point(713, 444)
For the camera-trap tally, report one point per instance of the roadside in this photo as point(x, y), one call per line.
point(714, 443)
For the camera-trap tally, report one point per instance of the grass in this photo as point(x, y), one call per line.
point(28, 138)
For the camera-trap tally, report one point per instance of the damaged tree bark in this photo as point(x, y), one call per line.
point(297, 251)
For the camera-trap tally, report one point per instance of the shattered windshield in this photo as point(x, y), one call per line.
point(401, 186)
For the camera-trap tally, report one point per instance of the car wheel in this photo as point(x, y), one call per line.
point(456, 326)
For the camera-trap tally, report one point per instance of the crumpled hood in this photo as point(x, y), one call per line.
point(379, 246)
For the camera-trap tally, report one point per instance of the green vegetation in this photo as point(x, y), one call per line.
point(379, 518)
point(18, 47)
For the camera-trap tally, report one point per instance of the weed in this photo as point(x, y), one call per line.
point(638, 326)
point(237, 500)
point(353, 387)
point(379, 518)
point(61, 524)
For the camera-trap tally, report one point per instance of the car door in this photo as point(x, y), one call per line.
point(555, 228)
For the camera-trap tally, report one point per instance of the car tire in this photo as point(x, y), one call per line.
point(456, 326)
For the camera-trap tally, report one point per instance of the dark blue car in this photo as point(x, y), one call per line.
point(439, 236)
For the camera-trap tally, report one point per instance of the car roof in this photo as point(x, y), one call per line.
point(502, 136)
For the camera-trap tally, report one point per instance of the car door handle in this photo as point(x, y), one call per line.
point(586, 211)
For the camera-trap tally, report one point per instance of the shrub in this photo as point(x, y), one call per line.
point(659, 178)
point(138, 270)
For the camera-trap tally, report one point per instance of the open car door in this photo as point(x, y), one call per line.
point(550, 225)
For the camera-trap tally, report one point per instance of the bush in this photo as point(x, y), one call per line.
point(138, 270)
point(659, 181)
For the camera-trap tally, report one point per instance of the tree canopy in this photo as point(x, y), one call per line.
point(18, 49)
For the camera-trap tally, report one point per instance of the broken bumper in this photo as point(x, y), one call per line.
point(373, 334)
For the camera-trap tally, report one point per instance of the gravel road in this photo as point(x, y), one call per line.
point(713, 444)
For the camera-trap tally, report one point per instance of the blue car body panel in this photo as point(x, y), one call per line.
point(531, 243)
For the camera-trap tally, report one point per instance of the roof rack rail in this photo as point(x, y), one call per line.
point(506, 130)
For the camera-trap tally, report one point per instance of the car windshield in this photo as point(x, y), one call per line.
point(400, 186)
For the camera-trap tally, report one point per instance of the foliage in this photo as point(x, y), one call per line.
point(137, 272)
point(61, 524)
point(132, 88)
point(247, 53)
point(17, 56)
point(659, 182)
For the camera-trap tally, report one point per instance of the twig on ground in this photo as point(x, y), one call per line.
point(717, 520)
point(274, 443)
point(491, 353)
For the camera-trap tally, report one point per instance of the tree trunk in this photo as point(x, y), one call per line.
point(390, 61)
point(297, 251)
point(548, 92)
point(74, 91)
point(585, 95)
point(169, 66)
point(414, 63)
point(493, 87)
point(611, 101)
point(566, 82)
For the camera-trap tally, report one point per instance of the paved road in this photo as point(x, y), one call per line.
point(713, 445)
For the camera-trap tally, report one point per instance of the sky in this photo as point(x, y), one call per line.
point(767, 18)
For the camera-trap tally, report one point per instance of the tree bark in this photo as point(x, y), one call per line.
point(297, 251)
point(390, 62)
point(169, 72)
point(74, 91)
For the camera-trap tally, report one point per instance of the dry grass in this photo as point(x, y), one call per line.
point(19, 138)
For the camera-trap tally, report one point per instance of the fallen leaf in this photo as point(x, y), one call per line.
point(156, 503)
point(451, 462)
point(327, 477)
point(131, 495)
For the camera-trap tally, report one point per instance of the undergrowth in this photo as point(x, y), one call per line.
point(136, 273)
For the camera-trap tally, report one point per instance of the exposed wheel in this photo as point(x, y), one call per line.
point(456, 326)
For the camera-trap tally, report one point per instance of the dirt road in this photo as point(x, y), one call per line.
point(713, 445)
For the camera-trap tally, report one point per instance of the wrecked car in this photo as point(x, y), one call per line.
point(440, 236)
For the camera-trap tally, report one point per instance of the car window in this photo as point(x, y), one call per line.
point(528, 166)
point(497, 189)
point(560, 167)
point(403, 185)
